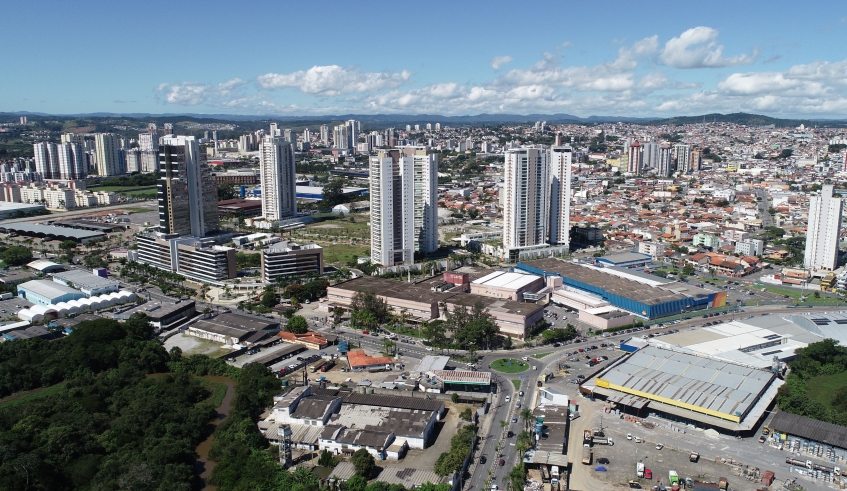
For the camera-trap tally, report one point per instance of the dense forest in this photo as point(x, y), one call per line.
point(107, 408)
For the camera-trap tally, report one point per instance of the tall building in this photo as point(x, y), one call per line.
point(404, 203)
point(46, 160)
point(325, 135)
point(72, 161)
point(665, 164)
point(133, 160)
point(353, 129)
point(634, 158)
point(108, 154)
point(188, 195)
point(694, 160)
point(340, 138)
point(683, 157)
point(307, 135)
point(274, 130)
point(278, 177)
point(526, 203)
point(651, 154)
point(824, 230)
point(289, 135)
point(560, 194)
point(148, 143)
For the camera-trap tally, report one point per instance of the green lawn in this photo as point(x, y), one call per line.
point(517, 383)
point(343, 253)
point(19, 398)
point(823, 387)
point(542, 355)
point(795, 294)
point(516, 366)
point(217, 389)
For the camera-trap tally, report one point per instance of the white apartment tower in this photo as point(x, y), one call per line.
point(108, 154)
point(148, 143)
point(823, 231)
point(651, 154)
point(71, 161)
point(277, 173)
point(560, 194)
point(404, 202)
point(325, 135)
point(46, 160)
point(665, 161)
point(683, 157)
point(339, 136)
point(526, 204)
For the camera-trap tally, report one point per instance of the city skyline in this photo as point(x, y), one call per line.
point(673, 63)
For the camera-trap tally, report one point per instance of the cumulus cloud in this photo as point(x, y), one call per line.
point(193, 93)
point(499, 61)
point(331, 80)
point(698, 48)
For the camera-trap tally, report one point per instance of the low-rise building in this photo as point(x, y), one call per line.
point(510, 286)
point(46, 292)
point(163, 315)
point(287, 258)
point(232, 329)
point(88, 283)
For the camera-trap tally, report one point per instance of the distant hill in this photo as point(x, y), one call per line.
point(377, 121)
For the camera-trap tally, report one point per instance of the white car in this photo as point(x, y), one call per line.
point(638, 439)
point(429, 348)
point(508, 398)
point(659, 446)
point(525, 358)
point(629, 436)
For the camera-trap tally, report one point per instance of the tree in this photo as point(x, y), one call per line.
point(368, 301)
point(364, 463)
point(17, 256)
point(357, 482)
point(435, 332)
point(333, 194)
point(225, 192)
point(466, 414)
point(269, 299)
point(454, 397)
point(327, 459)
point(138, 326)
point(688, 270)
point(297, 324)
point(363, 319)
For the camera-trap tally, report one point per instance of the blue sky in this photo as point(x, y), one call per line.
point(646, 58)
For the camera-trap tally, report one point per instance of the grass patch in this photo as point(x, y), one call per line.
point(517, 383)
point(542, 355)
point(404, 331)
point(795, 295)
point(343, 253)
point(509, 365)
point(823, 387)
point(217, 389)
point(28, 396)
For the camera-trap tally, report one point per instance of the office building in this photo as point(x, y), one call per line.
point(108, 154)
point(823, 232)
point(192, 257)
point(634, 158)
point(277, 173)
point(325, 135)
point(287, 258)
point(560, 194)
point(683, 157)
point(148, 144)
point(665, 164)
point(274, 131)
point(188, 195)
point(527, 203)
point(403, 198)
point(353, 129)
point(290, 136)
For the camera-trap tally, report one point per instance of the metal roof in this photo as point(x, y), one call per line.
point(43, 264)
point(393, 401)
point(503, 279)
point(86, 280)
point(33, 228)
point(432, 363)
point(811, 429)
point(463, 377)
point(48, 289)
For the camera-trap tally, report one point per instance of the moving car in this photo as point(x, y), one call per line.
point(659, 446)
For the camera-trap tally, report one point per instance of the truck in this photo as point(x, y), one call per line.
point(673, 477)
point(693, 457)
point(600, 440)
point(723, 484)
point(586, 454)
point(800, 463)
point(317, 366)
point(586, 436)
point(6, 296)
point(327, 366)
point(554, 476)
point(545, 473)
point(639, 469)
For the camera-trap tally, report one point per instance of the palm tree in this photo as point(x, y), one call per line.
point(526, 416)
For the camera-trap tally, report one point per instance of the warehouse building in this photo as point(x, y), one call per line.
point(464, 380)
point(809, 437)
point(646, 296)
point(687, 388)
point(52, 232)
point(230, 329)
point(163, 315)
point(626, 259)
point(45, 292)
point(509, 286)
point(88, 283)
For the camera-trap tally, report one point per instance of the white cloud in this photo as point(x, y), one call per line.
point(698, 48)
point(499, 61)
point(193, 93)
point(331, 80)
